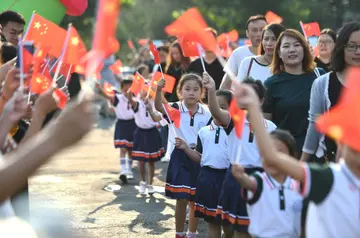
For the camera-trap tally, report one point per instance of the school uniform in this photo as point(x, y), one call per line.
point(182, 173)
point(212, 145)
point(147, 141)
point(274, 209)
point(125, 125)
point(232, 208)
point(334, 194)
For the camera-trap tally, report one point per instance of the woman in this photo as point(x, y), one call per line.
point(326, 91)
point(293, 68)
point(325, 46)
point(257, 67)
point(176, 65)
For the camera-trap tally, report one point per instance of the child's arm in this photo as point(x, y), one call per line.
point(192, 154)
point(154, 116)
point(246, 181)
point(158, 97)
point(217, 113)
point(247, 98)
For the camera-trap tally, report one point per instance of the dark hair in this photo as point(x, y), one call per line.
point(227, 94)
point(255, 18)
point(277, 29)
point(257, 85)
point(308, 64)
point(188, 77)
point(286, 138)
point(8, 52)
point(330, 32)
point(11, 16)
point(185, 61)
point(164, 49)
point(141, 68)
point(337, 58)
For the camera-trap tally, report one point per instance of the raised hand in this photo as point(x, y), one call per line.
point(208, 81)
point(16, 108)
point(245, 96)
point(46, 102)
point(161, 84)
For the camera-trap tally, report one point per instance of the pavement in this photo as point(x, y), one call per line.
point(79, 192)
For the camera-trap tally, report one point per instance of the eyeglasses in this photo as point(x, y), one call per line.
point(352, 47)
point(325, 42)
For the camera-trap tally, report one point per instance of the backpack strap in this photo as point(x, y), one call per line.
point(250, 66)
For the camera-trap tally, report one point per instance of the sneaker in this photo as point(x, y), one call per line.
point(130, 175)
point(123, 178)
point(142, 187)
point(165, 160)
point(150, 189)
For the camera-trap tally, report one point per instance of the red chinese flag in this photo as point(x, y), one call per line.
point(225, 38)
point(174, 114)
point(143, 42)
point(39, 59)
point(131, 44)
point(152, 92)
point(169, 81)
point(271, 17)
point(64, 68)
point(27, 60)
point(61, 98)
point(108, 89)
point(341, 122)
point(188, 47)
point(238, 117)
point(46, 33)
point(75, 49)
point(192, 26)
point(116, 67)
point(137, 84)
point(155, 53)
point(311, 29)
point(39, 83)
point(104, 41)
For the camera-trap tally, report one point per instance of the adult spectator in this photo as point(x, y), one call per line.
point(12, 24)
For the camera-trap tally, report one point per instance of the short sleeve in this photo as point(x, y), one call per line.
point(317, 183)
point(244, 66)
point(232, 63)
point(229, 127)
point(136, 108)
point(199, 147)
point(269, 103)
point(257, 193)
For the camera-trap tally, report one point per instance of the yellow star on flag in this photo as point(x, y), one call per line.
point(75, 41)
point(37, 25)
point(336, 132)
point(109, 8)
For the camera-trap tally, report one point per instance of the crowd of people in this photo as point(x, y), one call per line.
point(281, 178)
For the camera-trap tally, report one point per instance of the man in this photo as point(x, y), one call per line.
point(254, 28)
point(12, 24)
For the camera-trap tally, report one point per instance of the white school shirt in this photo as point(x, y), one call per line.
point(245, 149)
point(123, 108)
point(334, 194)
point(142, 117)
point(257, 71)
point(191, 124)
point(212, 145)
point(235, 59)
point(6, 209)
point(271, 216)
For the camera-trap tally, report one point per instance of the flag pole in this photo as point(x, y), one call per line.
point(201, 58)
point(171, 123)
point(21, 60)
point(302, 28)
point(28, 27)
point(68, 75)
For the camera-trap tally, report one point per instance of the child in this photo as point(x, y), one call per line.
point(333, 190)
point(124, 129)
point(232, 208)
point(274, 205)
point(212, 154)
point(147, 142)
point(182, 172)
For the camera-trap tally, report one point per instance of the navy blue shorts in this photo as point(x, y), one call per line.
point(231, 208)
point(210, 182)
point(147, 145)
point(181, 177)
point(124, 134)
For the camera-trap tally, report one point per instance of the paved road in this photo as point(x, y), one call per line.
point(69, 191)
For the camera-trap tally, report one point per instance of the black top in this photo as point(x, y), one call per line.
point(176, 72)
point(334, 91)
point(322, 65)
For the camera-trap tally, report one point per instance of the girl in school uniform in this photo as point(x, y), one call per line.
point(182, 172)
point(333, 189)
point(147, 142)
point(274, 204)
point(212, 154)
point(231, 208)
point(124, 129)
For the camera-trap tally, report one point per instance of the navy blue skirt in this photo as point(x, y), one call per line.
point(124, 134)
point(181, 177)
point(210, 182)
point(231, 208)
point(147, 145)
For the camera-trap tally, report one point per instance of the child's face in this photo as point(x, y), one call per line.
point(126, 87)
point(222, 102)
point(191, 92)
point(280, 147)
point(145, 73)
point(352, 159)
